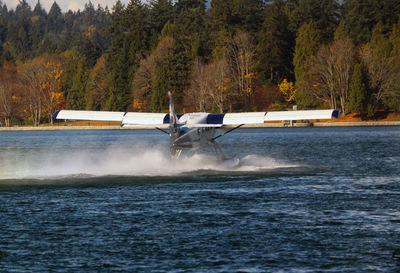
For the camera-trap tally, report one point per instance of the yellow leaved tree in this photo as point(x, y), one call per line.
point(288, 90)
point(53, 95)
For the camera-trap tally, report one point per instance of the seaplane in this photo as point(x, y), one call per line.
point(193, 131)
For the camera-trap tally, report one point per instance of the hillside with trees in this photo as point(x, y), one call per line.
point(228, 55)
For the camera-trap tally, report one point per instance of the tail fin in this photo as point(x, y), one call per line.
point(173, 130)
point(172, 116)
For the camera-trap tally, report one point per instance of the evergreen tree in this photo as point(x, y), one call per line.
point(3, 30)
point(91, 50)
point(232, 15)
point(89, 14)
point(3, 22)
point(161, 12)
point(247, 14)
point(324, 13)
point(161, 86)
point(75, 77)
point(38, 26)
point(23, 10)
point(39, 10)
point(395, 39)
point(221, 16)
point(340, 32)
point(308, 41)
point(136, 19)
point(117, 60)
point(189, 36)
point(393, 101)
point(362, 15)
point(381, 66)
point(120, 95)
point(358, 91)
point(54, 19)
point(276, 43)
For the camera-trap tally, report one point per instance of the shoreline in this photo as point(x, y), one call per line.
point(264, 125)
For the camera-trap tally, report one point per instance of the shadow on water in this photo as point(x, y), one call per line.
point(196, 176)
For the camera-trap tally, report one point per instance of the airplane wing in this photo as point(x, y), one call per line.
point(88, 115)
point(301, 115)
point(127, 118)
point(260, 117)
point(131, 119)
point(236, 118)
point(139, 118)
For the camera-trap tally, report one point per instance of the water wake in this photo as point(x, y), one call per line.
point(119, 161)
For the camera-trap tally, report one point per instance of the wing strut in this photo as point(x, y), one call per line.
point(165, 132)
point(227, 132)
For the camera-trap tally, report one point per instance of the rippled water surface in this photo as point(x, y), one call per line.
point(303, 199)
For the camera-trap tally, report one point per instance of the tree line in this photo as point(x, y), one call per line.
point(225, 55)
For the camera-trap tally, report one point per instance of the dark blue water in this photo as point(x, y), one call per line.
point(312, 199)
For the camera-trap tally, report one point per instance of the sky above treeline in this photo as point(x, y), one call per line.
point(65, 5)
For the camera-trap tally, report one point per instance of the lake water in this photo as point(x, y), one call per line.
point(303, 200)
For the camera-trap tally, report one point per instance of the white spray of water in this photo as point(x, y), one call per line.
point(126, 161)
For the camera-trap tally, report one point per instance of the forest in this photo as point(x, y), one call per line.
point(216, 56)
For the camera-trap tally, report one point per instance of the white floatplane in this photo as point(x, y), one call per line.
point(193, 131)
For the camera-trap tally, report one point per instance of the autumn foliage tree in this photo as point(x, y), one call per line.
point(150, 81)
point(32, 79)
point(210, 88)
point(10, 95)
point(53, 96)
point(97, 89)
point(288, 90)
point(241, 58)
point(41, 79)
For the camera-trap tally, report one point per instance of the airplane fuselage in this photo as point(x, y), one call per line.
point(191, 137)
point(194, 138)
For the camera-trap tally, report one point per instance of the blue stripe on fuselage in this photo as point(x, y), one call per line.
point(215, 118)
point(166, 118)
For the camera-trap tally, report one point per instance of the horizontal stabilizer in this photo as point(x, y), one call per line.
point(300, 115)
point(88, 115)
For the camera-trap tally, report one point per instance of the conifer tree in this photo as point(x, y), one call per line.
point(308, 41)
point(54, 19)
point(117, 60)
point(324, 13)
point(76, 94)
point(340, 32)
point(276, 44)
point(393, 101)
point(358, 91)
point(382, 67)
point(189, 42)
point(161, 86)
point(38, 26)
point(362, 15)
point(161, 12)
